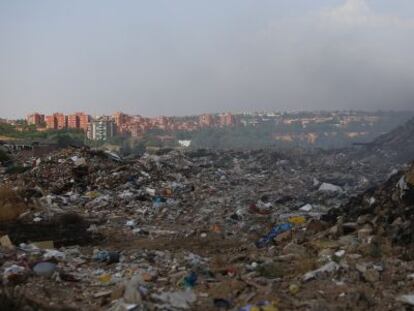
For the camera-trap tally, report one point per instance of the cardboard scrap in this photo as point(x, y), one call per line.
point(5, 241)
point(44, 244)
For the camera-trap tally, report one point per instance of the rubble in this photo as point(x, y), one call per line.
point(206, 230)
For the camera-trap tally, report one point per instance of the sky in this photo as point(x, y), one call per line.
point(184, 57)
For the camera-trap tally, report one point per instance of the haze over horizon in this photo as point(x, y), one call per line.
point(187, 57)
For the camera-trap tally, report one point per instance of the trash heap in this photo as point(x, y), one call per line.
point(204, 230)
point(383, 211)
point(396, 145)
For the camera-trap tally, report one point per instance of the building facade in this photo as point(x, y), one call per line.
point(84, 120)
point(51, 122)
point(35, 119)
point(62, 121)
point(79, 120)
point(206, 120)
point(121, 118)
point(227, 119)
point(59, 121)
point(102, 129)
point(73, 121)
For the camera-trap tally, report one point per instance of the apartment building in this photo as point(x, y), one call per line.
point(206, 120)
point(84, 120)
point(226, 119)
point(73, 121)
point(51, 122)
point(102, 128)
point(56, 121)
point(35, 119)
point(121, 118)
point(62, 121)
point(79, 120)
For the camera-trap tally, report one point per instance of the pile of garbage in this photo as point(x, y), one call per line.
point(385, 210)
point(207, 230)
point(396, 146)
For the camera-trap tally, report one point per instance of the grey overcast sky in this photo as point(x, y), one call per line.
point(165, 57)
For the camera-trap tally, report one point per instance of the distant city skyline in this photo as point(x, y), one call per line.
point(97, 115)
point(163, 58)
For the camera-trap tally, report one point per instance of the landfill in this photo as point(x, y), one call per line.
point(82, 229)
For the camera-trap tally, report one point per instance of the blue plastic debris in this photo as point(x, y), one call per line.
point(159, 199)
point(190, 280)
point(105, 256)
point(261, 306)
point(265, 240)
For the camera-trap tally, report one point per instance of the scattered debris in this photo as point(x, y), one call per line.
point(197, 230)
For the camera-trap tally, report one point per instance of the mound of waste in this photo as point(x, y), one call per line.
point(397, 145)
point(206, 230)
point(386, 210)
